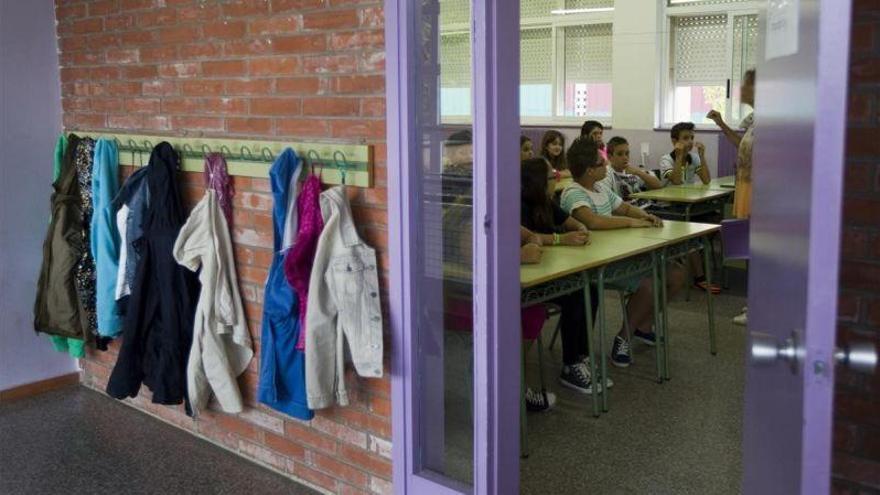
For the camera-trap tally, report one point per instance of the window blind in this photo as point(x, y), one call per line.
point(588, 53)
point(455, 60)
point(535, 56)
point(700, 50)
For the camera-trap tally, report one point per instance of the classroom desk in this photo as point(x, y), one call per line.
point(718, 184)
point(703, 198)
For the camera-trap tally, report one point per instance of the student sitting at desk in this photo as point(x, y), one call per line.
point(526, 148)
point(544, 223)
point(684, 165)
point(599, 208)
point(593, 130)
point(625, 179)
point(553, 150)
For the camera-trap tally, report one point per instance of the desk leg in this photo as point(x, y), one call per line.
point(658, 325)
point(709, 298)
point(602, 354)
point(590, 340)
point(664, 302)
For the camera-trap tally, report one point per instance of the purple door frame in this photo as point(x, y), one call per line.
point(795, 230)
point(496, 233)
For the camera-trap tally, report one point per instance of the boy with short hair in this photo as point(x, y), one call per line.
point(685, 164)
point(625, 179)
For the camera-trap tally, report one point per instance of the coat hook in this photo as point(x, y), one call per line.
point(206, 150)
point(313, 157)
point(267, 154)
point(246, 153)
point(342, 166)
point(226, 152)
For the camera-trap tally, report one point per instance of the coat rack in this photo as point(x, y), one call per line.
point(336, 163)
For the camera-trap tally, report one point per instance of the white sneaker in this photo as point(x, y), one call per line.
point(741, 320)
point(586, 362)
point(539, 402)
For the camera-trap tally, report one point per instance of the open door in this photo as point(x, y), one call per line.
point(800, 117)
point(454, 246)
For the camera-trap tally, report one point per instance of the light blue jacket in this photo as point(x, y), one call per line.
point(105, 236)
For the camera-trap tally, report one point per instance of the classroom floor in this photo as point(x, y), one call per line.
point(681, 437)
point(76, 440)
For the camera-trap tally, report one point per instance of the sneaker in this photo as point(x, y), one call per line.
point(741, 320)
point(703, 285)
point(645, 337)
point(585, 360)
point(577, 377)
point(620, 352)
point(538, 401)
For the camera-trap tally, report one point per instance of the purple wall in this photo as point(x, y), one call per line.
point(30, 120)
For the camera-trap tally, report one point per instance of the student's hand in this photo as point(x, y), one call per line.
point(715, 116)
point(639, 223)
point(679, 150)
point(701, 148)
point(655, 220)
point(574, 238)
point(534, 239)
point(530, 254)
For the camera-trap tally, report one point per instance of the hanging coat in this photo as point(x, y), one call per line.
point(298, 260)
point(157, 329)
point(282, 367)
point(130, 204)
point(105, 237)
point(221, 344)
point(85, 276)
point(57, 308)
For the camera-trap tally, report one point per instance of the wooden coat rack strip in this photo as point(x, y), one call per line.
point(251, 158)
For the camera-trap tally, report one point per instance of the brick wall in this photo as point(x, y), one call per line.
point(856, 466)
point(273, 69)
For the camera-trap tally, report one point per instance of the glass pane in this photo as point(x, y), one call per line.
point(587, 59)
point(692, 103)
point(745, 37)
point(443, 365)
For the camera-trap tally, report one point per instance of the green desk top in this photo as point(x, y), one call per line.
point(675, 231)
point(721, 184)
point(607, 246)
point(681, 194)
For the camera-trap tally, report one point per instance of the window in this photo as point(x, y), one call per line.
point(711, 43)
point(565, 60)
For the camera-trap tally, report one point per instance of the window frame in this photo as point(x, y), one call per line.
point(557, 42)
point(665, 98)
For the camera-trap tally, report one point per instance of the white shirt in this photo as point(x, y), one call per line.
point(667, 163)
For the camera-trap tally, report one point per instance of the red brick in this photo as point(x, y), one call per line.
point(302, 128)
point(140, 72)
point(124, 121)
point(247, 47)
point(861, 211)
point(860, 106)
point(158, 54)
point(316, 477)
point(373, 107)
point(299, 85)
point(142, 105)
point(250, 237)
point(89, 121)
point(68, 43)
point(242, 8)
point(122, 88)
point(373, 17)
point(200, 51)
point(225, 106)
point(181, 70)
point(339, 470)
point(103, 8)
point(344, 489)
point(275, 106)
point(358, 129)
point(848, 307)
point(333, 19)
point(75, 104)
point(137, 4)
point(201, 87)
point(366, 460)
point(372, 84)
point(310, 437)
point(307, 43)
point(157, 17)
point(249, 126)
point(156, 123)
point(340, 431)
point(248, 86)
point(283, 5)
point(285, 447)
point(182, 34)
point(336, 107)
point(133, 38)
point(224, 68)
point(372, 62)
point(84, 26)
point(225, 29)
point(327, 64)
point(197, 123)
point(182, 105)
point(69, 11)
point(358, 40)
point(118, 22)
point(262, 454)
point(123, 56)
point(854, 243)
point(199, 12)
point(275, 25)
point(107, 105)
point(275, 66)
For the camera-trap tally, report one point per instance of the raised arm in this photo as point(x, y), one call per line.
point(731, 135)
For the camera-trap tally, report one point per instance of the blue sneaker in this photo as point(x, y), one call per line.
point(645, 337)
point(620, 353)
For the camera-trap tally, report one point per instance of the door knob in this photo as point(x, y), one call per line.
point(860, 357)
point(766, 350)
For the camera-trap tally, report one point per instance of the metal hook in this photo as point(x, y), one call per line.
point(148, 146)
point(246, 153)
point(226, 152)
point(267, 153)
point(187, 149)
point(312, 156)
point(206, 150)
point(341, 166)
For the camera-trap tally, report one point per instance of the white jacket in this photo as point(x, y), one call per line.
point(221, 344)
point(343, 305)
